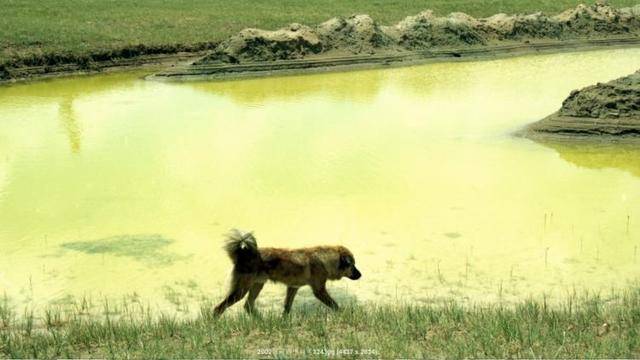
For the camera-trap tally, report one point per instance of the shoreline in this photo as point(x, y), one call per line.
point(359, 41)
point(178, 66)
point(568, 128)
point(354, 42)
point(44, 72)
point(322, 64)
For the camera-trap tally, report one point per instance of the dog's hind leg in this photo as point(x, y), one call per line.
point(239, 287)
point(253, 294)
point(288, 301)
point(320, 292)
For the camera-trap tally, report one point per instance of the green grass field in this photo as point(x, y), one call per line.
point(588, 327)
point(31, 28)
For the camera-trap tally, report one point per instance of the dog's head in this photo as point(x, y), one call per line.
point(347, 266)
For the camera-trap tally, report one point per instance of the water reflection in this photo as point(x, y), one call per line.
point(64, 93)
point(361, 86)
point(593, 154)
point(70, 124)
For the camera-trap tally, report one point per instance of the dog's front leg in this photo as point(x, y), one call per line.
point(320, 292)
point(288, 301)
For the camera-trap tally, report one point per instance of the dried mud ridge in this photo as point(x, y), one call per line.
point(360, 34)
point(609, 109)
point(359, 40)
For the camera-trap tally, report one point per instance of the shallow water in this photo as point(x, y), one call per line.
point(111, 185)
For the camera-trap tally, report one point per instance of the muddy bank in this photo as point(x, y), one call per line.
point(360, 34)
point(51, 64)
point(610, 109)
point(323, 64)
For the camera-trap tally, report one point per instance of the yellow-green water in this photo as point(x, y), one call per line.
point(111, 185)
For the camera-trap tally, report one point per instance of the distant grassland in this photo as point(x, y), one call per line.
point(31, 28)
point(588, 327)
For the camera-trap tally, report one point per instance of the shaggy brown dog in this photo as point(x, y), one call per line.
point(252, 267)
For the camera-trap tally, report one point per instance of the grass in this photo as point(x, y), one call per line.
point(587, 327)
point(38, 32)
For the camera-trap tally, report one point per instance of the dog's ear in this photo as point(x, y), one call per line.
point(345, 262)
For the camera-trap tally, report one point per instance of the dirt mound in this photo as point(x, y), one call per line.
point(582, 21)
point(360, 34)
point(611, 108)
point(356, 34)
point(630, 12)
point(612, 100)
point(426, 30)
point(503, 26)
point(292, 42)
point(598, 18)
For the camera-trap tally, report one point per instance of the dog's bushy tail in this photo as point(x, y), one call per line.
point(242, 249)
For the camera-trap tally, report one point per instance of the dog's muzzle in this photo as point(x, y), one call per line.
point(355, 274)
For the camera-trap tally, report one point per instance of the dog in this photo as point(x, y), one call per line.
point(253, 266)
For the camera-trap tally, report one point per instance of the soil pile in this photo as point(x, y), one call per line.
point(356, 34)
point(599, 18)
point(516, 27)
point(612, 100)
point(611, 108)
point(425, 30)
point(360, 34)
point(292, 42)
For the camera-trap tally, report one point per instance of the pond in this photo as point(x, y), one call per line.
point(112, 186)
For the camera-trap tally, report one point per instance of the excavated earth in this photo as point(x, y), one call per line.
point(611, 108)
point(603, 109)
point(362, 35)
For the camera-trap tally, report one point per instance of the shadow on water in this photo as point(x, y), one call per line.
point(621, 155)
point(148, 248)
